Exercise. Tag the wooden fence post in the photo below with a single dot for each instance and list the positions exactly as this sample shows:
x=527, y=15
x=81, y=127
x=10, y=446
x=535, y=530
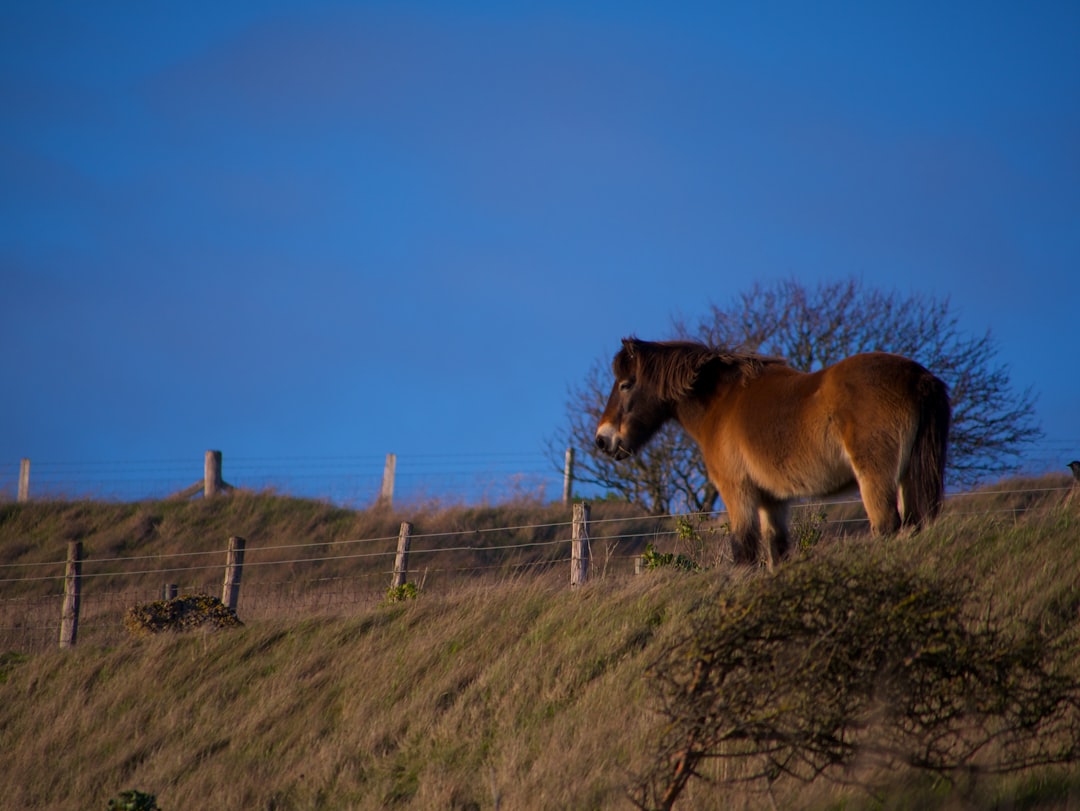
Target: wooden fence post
x=169, y=591
x=212, y=482
x=568, y=477
x=69, y=617
x=386, y=494
x=234, y=568
x=401, y=559
x=579, y=545
x=24, y=481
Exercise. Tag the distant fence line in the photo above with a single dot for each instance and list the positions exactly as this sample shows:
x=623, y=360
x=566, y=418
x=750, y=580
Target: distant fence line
x=352, y=480
x=379, y=489
x=581, y=557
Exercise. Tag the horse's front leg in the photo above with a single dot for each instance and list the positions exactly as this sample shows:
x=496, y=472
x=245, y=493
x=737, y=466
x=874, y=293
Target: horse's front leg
x=773, y=518
x=742, y=510
x=745, y=545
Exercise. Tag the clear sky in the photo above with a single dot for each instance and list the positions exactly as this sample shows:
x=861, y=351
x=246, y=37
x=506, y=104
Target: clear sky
x=337, y=230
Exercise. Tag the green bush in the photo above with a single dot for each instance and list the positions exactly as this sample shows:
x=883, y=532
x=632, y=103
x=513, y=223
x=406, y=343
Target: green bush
x=807, y=528
x=659, y=560
x=9, y=660
x=398, y=594
x=134, y=800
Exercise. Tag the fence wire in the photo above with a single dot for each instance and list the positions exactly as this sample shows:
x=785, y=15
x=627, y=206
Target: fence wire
x=31, y=622
x=714, y=516
x=349, y=480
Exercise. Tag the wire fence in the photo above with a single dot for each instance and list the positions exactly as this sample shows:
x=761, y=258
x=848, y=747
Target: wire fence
x=356, y=480
x=352, y=481
x=348, y=576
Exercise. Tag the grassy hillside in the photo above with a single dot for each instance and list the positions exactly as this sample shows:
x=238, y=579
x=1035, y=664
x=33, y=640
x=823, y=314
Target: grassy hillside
x=302, y=557
x=283, y=534
x=506, y=690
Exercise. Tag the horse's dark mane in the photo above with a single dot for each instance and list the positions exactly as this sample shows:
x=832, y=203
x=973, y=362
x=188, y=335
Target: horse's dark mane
x=674, y=367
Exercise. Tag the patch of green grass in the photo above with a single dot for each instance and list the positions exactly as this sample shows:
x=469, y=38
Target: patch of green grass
x=10, y=660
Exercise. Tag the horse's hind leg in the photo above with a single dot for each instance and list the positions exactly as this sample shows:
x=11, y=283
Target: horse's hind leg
x=878, y=487
x=879, y=497
x=910, y=510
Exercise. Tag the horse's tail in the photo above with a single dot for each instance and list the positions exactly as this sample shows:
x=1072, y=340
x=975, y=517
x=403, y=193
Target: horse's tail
x=924, y=479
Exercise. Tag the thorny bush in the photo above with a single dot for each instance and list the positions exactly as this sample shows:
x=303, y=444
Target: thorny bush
x=801, y=673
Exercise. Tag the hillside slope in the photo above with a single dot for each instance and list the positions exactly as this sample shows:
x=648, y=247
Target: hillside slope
x=516, y=693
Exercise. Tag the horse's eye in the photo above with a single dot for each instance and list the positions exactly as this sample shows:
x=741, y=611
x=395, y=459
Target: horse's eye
x=626, y=385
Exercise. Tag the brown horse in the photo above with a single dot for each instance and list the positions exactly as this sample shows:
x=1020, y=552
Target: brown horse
x=770, y=433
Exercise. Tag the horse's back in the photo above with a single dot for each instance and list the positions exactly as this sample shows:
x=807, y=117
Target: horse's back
x=878, y=369
x=893, y=417
x=810, y=434
x=875, y=396
x=779, y=433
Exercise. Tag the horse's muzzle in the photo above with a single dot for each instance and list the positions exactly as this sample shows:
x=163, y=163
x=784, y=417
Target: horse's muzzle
x=607, y=440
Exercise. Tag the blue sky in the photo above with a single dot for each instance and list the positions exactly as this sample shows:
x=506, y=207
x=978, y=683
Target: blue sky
x=337, y=230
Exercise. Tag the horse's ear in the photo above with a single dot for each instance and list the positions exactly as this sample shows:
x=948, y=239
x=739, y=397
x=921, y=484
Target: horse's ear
x=629, y=346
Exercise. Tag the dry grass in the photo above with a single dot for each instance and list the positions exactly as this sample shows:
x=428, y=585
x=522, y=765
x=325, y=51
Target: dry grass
x=443, y=702
x=506, y=690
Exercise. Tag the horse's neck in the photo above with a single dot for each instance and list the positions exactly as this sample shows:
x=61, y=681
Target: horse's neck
x=698, y=413
x=692, y=414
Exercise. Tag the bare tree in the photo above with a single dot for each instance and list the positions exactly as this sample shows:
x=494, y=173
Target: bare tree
x=813, y=328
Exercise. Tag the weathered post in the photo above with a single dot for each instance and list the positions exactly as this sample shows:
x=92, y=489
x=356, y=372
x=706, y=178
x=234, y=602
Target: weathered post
x=169, y=591
x=401, y=559
x=212, y=482
x=386, y=494
x=69, y=617
x=568, y=477
x=579, y=545
x=24, y=481
x=234, y=568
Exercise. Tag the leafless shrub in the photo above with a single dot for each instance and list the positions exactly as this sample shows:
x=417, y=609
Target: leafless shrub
x=829, y=665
